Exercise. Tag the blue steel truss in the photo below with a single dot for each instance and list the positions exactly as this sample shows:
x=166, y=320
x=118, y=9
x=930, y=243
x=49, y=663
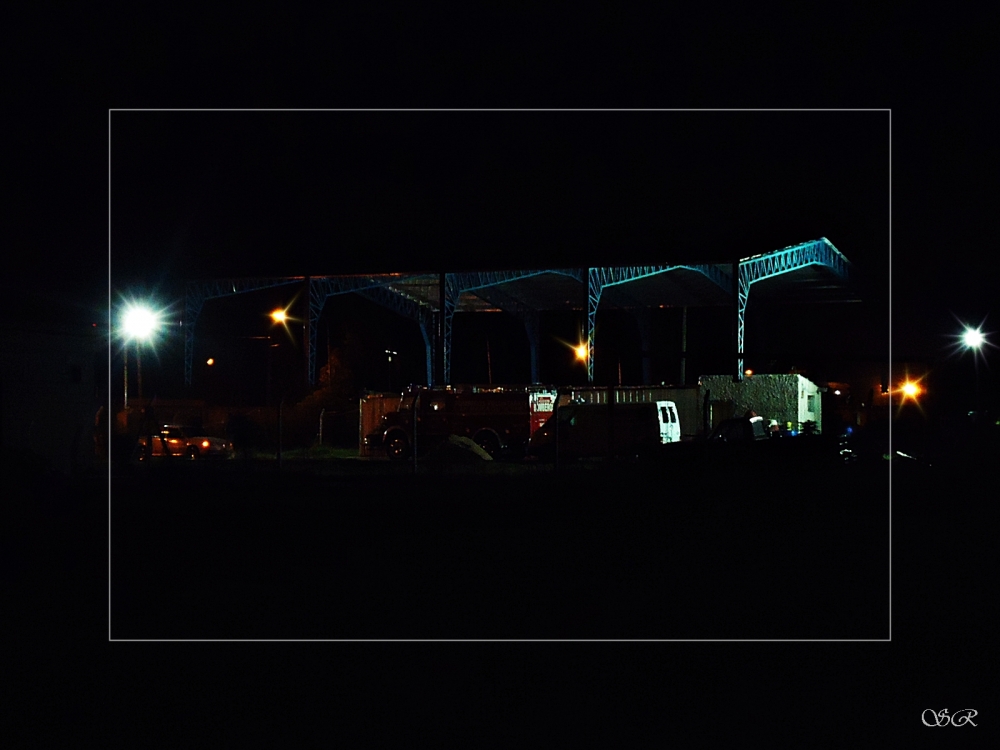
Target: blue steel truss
x=756, y=268
x=599, y=278
x=470, y=282
x=452, y=293
x=387, y=290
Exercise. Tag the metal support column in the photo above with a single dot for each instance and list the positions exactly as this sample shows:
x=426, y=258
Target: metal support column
x=450, y=293
x=443, y=322
x=317, y=299
x=428, y=329
x=684, y=345
x=194, y=300
x=742, y=296
x=737, y=329
x=309, y=330
x=594, y=289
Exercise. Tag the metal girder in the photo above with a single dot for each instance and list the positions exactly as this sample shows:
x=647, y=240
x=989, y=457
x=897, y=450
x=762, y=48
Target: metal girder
x=594, y=289
x=452, y=292
x=470, y=282
x=612, y=275
x=196, y=292
x=819, y=252
x=382, y=289
x=598, y=278
x=428, y=329
x=756, y=268
x=742, y=296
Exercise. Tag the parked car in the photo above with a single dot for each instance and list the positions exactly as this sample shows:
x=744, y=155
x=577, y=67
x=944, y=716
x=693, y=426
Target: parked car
x=176, y=440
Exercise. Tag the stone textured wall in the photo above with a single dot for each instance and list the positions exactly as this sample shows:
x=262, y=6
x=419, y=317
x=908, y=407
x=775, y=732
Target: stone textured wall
x=784, y=397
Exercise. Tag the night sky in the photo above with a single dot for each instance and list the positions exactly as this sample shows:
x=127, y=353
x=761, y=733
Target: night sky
x=198, y=194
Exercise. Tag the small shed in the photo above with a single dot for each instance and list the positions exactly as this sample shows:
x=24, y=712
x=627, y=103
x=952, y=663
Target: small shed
x=789, y=398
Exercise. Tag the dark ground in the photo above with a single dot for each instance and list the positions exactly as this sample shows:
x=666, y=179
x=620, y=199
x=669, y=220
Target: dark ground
x=601, y=553
x=222, y=553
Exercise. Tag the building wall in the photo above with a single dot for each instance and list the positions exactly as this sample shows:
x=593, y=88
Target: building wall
x=787, y=398
x=810, y=408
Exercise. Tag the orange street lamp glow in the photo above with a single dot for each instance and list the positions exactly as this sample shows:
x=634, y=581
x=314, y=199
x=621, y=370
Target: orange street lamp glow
x=910, y=389
x=210, y=362
x=581, y=351
x=279, y=316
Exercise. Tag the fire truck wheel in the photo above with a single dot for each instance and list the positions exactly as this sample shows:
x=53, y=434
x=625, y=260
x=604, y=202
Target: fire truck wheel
x=489, y=443
x=397, y=447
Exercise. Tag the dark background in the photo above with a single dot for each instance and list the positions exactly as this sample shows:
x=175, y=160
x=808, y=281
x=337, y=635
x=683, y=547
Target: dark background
x=933, y=75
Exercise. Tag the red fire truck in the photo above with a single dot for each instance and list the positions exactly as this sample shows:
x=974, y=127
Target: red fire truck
x=500, y=419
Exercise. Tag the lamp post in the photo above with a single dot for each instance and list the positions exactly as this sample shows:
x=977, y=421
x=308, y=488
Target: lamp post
x=389, y=353
x=138, y=325
x=270, y=344
x=581, y=353
x=972, y=338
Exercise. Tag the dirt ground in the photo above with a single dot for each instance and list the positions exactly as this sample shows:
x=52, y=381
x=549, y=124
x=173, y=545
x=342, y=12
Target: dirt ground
x=492, y=552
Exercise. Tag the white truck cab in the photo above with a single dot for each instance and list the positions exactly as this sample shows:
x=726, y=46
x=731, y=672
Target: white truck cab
x=670, y=424
x=584, y=430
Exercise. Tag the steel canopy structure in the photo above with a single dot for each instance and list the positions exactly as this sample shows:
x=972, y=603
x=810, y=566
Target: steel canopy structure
x=811, y=271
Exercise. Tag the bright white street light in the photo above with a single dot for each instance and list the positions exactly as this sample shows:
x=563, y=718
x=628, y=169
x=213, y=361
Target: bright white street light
x=972, y=338
x=139, y=322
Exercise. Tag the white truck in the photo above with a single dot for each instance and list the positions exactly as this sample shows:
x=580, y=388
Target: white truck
x=593, y=430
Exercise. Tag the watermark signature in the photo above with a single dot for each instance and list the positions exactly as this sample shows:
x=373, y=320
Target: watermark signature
x=942, y=718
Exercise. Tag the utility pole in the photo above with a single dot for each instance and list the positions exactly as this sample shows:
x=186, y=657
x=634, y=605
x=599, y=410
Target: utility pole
x=310, y=355
x=684, y=344
x=489, y=363
x=442, y=301
x=138, y=370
